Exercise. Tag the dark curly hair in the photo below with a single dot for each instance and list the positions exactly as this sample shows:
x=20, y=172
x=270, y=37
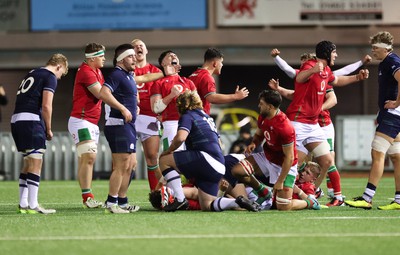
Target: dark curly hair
x=155, y=199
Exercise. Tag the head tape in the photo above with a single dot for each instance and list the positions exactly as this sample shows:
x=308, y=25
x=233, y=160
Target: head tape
x=324, y=49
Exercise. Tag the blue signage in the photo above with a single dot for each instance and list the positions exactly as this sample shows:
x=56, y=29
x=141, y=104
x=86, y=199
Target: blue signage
x=86, y=15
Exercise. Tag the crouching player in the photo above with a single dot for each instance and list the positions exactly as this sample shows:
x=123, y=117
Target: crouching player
x=278, y=161
x=203, y=160
x=163, y=195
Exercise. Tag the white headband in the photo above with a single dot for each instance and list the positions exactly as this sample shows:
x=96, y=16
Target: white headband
x=94, y=54
x=383, y=45
x=125, y=54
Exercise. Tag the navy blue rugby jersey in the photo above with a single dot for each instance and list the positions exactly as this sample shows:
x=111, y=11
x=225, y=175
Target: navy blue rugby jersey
x=30, y=92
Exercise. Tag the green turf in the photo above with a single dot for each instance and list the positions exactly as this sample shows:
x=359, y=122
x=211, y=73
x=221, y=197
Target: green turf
x=74, y=230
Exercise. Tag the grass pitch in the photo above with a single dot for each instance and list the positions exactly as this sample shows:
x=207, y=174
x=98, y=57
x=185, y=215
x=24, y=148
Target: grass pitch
x=74, y=230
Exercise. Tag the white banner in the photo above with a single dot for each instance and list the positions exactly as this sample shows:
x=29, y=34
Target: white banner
x=307, y=12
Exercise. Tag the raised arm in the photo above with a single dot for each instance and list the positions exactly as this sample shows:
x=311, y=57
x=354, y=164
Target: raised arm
x=286, y=93
x=341, y=81
x=348, y=69
x=282, y=64
x=352, y=67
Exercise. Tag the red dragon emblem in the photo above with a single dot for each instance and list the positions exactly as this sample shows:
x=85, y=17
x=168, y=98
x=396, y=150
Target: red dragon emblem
x=239, y=7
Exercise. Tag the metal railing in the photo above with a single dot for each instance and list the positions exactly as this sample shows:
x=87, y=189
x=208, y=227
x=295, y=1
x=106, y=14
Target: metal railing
x=60, y=161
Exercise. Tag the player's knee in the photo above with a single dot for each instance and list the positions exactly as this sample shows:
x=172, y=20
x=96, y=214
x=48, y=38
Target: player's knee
x=86, y=148
x=152, y=160
x=380, y=144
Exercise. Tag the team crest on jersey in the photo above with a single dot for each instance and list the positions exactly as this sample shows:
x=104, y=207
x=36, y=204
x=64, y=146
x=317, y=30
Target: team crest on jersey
x=180, y=87
x=267, y=135
x=323, y=84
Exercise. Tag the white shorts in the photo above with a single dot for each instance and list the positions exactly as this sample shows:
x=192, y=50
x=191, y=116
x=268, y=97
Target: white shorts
x=170, y=130
x=146, y=126
x=329, y=131
x=270, y=169
x=83, y=130
x=307, y=133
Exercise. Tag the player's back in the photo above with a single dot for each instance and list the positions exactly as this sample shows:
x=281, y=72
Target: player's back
x=203, y=135
x=29, y=94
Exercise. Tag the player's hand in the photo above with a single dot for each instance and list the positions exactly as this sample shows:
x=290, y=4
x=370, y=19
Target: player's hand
x=250, y=148
x=389, y=104
x=2, y=91
x=275, y=52
x=165, y=153
x=274, y=84
x=318, y=67
x=278, y=186
x=127, y=115
x=49, y=135
x=241, y=93
x=367, y=59
x=363, y=74
x=175, y=91
x=223, y=185
x=172, y=69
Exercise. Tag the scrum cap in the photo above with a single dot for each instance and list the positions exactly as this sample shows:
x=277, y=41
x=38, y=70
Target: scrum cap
x=324, y=49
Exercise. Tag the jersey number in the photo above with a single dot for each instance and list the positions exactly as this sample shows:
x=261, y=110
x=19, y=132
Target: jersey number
x=25, y=85
x=211, y=123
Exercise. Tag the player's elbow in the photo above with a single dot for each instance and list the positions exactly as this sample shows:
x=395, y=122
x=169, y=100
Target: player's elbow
x=159, y=106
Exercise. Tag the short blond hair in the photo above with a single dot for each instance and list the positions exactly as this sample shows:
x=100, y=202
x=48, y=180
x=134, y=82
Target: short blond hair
x=136, y=40
x=58, y=59
x=315, y=168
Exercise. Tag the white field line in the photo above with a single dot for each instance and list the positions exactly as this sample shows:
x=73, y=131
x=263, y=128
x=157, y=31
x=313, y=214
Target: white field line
x=199, y=236
x=353, y=218
x=74, y=204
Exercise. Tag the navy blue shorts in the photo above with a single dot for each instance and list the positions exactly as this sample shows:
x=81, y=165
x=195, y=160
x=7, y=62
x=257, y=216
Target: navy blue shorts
x=194, y=165
x=29, y=135
x=121, y=139
x=388, y=124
